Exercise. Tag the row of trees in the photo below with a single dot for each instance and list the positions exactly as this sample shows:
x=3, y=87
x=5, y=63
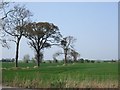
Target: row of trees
x=26, y=59
x=16, y=23
x=7, y=60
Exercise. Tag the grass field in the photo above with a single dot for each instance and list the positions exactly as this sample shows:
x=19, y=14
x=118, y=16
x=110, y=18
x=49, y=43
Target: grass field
x=52, y=75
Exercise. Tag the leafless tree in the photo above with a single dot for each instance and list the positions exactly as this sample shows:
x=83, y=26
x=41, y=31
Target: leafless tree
x=42, y=35
x=3, y=15
x=74, y=54
x=14, y=25
x=67, y=44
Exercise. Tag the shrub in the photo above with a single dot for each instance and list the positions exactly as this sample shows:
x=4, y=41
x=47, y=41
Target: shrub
x=92, y=61
x=55, y=61
x=87, y=61
x=26, y=58
x=81, y=60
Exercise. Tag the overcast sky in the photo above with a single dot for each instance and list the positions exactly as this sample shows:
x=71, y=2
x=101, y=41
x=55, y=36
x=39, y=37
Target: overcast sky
x=94, y=25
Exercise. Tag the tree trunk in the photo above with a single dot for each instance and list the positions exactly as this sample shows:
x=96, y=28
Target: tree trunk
x=17, y=52
x=65, y=52
x=75, y=60
x=38, y=58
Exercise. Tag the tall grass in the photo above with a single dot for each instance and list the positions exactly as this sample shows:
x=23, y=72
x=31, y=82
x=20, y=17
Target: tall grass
x=63, y=81
x=102, y=75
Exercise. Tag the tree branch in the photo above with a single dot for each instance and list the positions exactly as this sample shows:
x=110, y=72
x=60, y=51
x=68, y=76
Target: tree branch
x=12, y=41
x=6, y=14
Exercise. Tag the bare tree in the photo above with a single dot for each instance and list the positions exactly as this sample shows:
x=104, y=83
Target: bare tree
x=3, y=15
x=42, y=35
x=14, y=25
x=74, y=54
x=67, y=44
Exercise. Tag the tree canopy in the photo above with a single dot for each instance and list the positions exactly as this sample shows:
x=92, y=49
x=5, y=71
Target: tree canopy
x=41, y=35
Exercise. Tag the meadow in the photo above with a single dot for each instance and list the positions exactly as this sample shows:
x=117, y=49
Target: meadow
x=56, y=75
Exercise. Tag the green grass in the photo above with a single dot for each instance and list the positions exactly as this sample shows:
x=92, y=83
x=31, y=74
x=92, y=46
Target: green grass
x=57, y=75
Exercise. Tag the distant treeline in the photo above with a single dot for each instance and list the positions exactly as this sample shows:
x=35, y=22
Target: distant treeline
x=7, y=60
x=60, y=61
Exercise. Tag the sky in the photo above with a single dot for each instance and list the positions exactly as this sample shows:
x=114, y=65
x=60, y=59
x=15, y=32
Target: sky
x=93, y=24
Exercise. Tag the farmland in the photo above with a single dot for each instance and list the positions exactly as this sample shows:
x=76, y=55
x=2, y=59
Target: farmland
x=52, y=75
x=58, y=45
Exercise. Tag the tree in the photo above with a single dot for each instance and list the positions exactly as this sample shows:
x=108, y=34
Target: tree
x=67, y=44
x=92, y=61
x=26, y=58
x=4, y=14
x=87, y=61
x=42, y=35
x=14, y=25
x=81, y=60
x=74, y=54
